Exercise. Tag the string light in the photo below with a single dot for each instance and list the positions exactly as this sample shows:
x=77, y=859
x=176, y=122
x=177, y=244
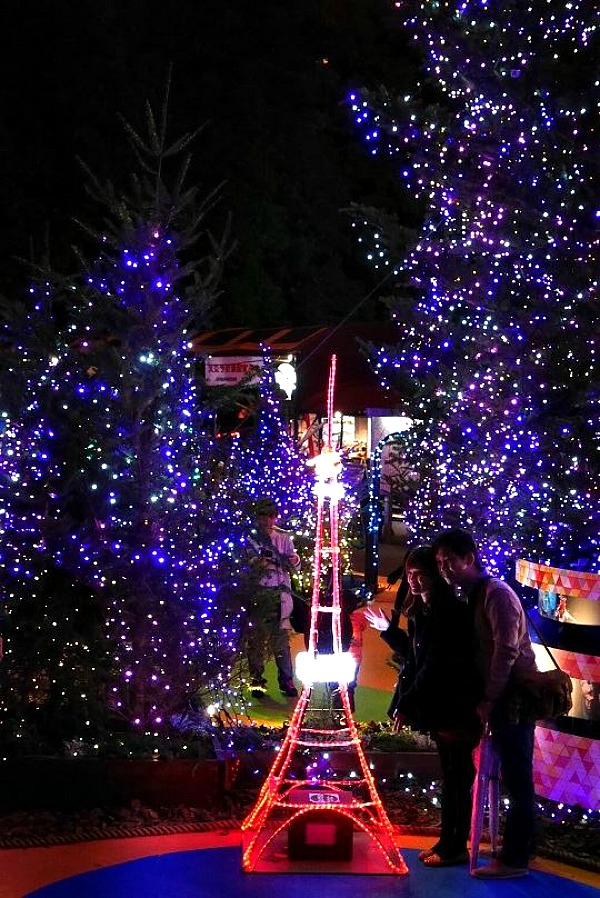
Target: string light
x=113, y=487
x=497, y=340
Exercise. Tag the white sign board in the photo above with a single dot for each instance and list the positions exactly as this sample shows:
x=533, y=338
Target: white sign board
x=228, y=370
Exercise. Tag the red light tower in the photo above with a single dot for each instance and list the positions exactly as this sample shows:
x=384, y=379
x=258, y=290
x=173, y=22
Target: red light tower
x=326, y=819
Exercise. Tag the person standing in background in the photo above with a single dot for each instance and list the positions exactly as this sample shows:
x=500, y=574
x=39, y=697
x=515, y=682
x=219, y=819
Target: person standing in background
x=273, y=559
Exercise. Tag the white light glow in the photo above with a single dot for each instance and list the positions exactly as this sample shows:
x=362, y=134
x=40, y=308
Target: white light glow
x=337, y=667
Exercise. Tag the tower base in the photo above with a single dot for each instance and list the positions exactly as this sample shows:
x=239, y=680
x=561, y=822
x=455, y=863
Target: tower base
x=320, y=836
x=365, y=858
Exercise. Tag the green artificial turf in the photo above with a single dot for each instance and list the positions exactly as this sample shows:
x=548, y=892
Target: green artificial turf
x=275, y=708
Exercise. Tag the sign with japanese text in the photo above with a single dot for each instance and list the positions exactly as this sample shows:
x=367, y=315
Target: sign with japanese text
x=229, y=370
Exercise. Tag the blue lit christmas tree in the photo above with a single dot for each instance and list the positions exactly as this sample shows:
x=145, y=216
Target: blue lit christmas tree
x=497, y=303
x=107, y=477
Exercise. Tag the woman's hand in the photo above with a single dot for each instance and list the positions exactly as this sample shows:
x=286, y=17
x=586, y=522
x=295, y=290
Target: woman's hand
x=377, y=619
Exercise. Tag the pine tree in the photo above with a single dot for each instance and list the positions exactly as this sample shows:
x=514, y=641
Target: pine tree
x=102, y=515
x=497, y=306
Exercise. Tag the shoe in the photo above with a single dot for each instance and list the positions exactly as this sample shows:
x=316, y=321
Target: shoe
x=258, y=687
x=499, y=870
x=289, y=690
x=437, y=860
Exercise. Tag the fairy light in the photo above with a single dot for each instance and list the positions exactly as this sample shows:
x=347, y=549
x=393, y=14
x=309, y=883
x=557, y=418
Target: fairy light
x=114, y=482
x=497, y=339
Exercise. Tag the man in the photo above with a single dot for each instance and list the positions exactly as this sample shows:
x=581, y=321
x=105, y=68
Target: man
x=274, y=558
x=504, y=657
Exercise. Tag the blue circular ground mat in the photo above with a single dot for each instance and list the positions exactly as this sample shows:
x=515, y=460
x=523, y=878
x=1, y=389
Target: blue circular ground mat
x=217, y=873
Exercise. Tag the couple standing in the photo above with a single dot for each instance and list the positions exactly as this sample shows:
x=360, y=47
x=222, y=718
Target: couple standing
x=463, y=660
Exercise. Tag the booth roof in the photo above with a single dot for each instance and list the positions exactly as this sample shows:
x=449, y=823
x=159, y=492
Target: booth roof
x=357, y=388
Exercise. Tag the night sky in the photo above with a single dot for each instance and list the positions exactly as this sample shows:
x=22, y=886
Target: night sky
x=268, y=79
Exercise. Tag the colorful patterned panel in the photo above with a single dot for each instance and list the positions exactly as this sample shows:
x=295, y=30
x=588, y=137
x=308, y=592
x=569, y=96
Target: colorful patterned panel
x=566, y=768
x=581, y=667
x=577, y=584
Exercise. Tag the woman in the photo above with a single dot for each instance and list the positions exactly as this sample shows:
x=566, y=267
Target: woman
x=437, y=692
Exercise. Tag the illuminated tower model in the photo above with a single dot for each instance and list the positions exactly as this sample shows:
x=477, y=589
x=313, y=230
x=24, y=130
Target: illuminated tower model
x=304, y=812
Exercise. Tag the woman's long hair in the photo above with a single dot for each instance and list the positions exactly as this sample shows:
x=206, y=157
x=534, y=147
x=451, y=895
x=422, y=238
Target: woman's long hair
x=422, y=558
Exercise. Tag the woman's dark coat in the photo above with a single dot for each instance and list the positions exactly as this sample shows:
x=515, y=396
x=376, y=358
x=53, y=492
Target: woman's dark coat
x=438, y=688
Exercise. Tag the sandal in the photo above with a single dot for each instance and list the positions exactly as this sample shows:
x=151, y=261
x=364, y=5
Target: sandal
x=427, y=852
x=436, y=860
